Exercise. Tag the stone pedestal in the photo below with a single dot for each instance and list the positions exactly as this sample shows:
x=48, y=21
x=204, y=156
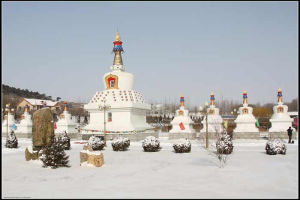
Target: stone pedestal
x=93, y=158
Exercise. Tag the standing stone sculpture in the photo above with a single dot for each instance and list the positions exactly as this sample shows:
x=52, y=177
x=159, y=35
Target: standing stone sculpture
x=42, y=129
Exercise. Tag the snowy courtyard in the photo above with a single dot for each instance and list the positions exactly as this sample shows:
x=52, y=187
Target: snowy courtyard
x=248, y=173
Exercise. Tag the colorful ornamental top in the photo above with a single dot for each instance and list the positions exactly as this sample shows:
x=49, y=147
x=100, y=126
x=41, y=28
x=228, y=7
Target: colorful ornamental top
x=182, y=101
x=245, y=97
x=212, y=99
x=279, y=95
x=117, y=50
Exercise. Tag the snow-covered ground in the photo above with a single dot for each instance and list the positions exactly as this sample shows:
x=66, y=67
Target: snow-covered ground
x=249, y=173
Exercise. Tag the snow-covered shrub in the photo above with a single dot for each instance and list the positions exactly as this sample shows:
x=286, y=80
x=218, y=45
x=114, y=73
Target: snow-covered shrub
x=54, y=156
x=96, y=143
x=182, y=146
x=224, y=144
x=11, y=141
x=120, y=144
x=151, y=144
x=275, y=146
x=66, y=141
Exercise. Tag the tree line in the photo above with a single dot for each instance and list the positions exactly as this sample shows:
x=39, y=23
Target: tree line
x=24, y=93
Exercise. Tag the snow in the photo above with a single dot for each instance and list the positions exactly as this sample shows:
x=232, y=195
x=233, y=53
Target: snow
x=248, y=173
x=91, y=152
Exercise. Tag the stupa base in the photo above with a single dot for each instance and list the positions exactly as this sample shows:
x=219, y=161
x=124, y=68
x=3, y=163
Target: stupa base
x=131, y=136
x=190, y=136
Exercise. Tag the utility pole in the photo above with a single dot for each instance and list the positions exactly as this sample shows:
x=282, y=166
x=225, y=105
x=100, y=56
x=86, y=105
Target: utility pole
x=104, y=108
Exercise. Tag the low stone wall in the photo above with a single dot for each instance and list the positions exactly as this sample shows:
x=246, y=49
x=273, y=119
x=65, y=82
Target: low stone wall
x=190, y=136
x=130, y=136
x=71, y=135
x=283, y=135
x=246, y=135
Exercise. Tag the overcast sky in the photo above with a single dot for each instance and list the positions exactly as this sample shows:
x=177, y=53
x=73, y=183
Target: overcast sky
x=172, y=48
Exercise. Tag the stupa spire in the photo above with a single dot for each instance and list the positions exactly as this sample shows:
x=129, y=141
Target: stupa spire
x=245, y=98
x=279, y=95
x=118, y=49
x=212, y=99
x=182, y=101
x=66, y=106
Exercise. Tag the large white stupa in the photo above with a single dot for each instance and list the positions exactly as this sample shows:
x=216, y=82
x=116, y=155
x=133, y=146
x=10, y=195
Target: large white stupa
x=65, y=123
x=245, y=121
x=214, y=119
x=280, y=119
x=182, y=122
x=25, y=126
x=124, y=109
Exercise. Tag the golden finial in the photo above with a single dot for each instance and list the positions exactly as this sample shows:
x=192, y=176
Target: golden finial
x=118, y=38
x=279, y=90
x=212, y=93
x=245, y=91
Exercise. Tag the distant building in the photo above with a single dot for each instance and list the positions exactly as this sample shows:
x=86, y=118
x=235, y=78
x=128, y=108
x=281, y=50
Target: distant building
x=35, y=104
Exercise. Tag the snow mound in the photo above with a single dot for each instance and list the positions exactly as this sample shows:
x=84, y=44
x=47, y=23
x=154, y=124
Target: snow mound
x=224, y=144
x=151, y=144
x=120, y=144
x=182, y=146
x=275, y=146
x=96, y=143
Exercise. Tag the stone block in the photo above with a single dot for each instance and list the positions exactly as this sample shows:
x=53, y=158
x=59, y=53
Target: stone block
x=43, y=128
x=31, y=155
x=83, y=157
x=96, y=160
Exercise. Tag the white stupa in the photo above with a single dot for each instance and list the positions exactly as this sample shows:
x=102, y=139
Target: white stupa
x=125, y=109
x=182, y=122
x=245, y=121
x=25, y=125
x=11, y=121
x=214, y=119
x=280, y=119
x=65, y=123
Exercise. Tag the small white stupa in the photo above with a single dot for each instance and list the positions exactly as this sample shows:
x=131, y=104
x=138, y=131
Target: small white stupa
x=182, y=122
x=11, y=120
x=280, y=119
x=65, y=123
x=118, y=109
x=25, y=125
x=245, y=121
x=214, y=119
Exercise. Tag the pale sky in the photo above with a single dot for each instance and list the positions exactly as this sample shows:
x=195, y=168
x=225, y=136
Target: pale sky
x=172, y=48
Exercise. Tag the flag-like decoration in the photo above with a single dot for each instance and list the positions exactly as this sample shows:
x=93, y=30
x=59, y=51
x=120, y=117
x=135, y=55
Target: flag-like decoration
x=160, y=124
x=181, y=126
x=257, y=123
x=14, y=126
x=55, y=127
